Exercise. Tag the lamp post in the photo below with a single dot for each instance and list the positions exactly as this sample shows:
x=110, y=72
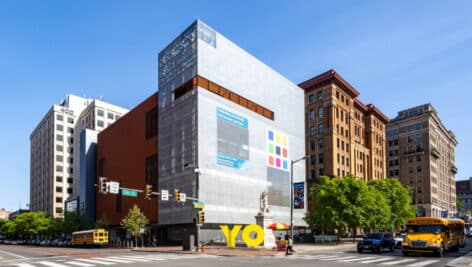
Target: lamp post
x=196, y=170
x=291, y=193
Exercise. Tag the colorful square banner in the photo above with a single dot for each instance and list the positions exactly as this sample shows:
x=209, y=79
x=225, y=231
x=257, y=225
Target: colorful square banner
x=277, y=150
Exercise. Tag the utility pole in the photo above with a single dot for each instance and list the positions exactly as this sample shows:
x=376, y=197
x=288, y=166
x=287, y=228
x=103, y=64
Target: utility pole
x=291, y=193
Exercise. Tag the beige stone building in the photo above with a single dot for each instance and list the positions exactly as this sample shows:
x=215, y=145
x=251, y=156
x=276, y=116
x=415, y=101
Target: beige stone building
x=343, y=136
x=421, y=155
x=4, y=214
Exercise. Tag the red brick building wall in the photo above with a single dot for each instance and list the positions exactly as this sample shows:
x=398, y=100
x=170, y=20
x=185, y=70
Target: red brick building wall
x=127, y=153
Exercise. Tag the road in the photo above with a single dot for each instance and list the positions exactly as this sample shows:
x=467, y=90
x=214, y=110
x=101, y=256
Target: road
x=23, y=256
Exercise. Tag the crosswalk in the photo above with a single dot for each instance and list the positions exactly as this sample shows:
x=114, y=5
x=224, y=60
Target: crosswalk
x=107, y=260
x=378, y=259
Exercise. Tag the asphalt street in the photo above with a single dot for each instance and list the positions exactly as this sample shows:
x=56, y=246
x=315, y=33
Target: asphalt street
x=66, y=257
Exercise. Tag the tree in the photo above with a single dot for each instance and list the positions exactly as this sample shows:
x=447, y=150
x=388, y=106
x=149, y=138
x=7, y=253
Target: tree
x=134, y=221
x=28, y=224
x=459, y=204
x=398, y=198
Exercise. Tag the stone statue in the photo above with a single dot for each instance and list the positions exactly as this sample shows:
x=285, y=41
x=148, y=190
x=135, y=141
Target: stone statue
x=264, y=203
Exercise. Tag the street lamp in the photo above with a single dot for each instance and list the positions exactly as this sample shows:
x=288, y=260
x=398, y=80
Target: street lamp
x=196, y=170
x=291, y=193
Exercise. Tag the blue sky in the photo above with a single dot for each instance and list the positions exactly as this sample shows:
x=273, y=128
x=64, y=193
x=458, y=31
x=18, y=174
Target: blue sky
x=398, y=54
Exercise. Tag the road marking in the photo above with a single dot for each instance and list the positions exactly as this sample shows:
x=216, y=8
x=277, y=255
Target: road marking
x=397, y=262
x=376, y=260
x=358, y=259
x=24, y=265
x=13, y=254
x=338, y=258
x=51, y=264
x=323, y=257
x=113, y=260
x=155, y=258
x=422, y=263
x=82, y=264
x=128, y=258
x=96, y=261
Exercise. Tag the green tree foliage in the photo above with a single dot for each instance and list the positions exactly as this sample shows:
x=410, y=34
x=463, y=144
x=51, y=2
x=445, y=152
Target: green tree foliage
x=398, y=198
x=460, y=204
x=134, y=221
x=348, y=203
x=28, y=224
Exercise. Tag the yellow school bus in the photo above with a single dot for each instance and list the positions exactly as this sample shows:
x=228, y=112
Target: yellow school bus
x=433, y=235
x=93, y=237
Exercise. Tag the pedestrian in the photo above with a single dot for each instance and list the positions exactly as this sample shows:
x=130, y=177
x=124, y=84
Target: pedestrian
x=289, y=250
x=154, y=240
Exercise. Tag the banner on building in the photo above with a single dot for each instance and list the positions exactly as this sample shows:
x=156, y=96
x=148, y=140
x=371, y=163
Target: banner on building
x=299, y=195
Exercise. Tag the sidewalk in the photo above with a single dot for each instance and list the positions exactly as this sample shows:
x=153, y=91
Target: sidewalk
x=244, y=251
x=465, y=260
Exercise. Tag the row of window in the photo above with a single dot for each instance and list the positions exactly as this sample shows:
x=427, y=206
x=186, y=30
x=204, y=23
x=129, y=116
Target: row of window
x=110, y=115
x=319, y=96
x=313, y=173
x=342, y=145
x=60, y=127
x=320, y=114
x=313, y=144
x=60, y=168
x=342, y=98
x=60, y=148
x=59, y=189
x=59, y=179
x=341, y=160
x=320, y=129
x=60, y=117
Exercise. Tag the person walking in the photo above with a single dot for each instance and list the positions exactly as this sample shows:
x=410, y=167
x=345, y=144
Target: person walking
x=289, y=246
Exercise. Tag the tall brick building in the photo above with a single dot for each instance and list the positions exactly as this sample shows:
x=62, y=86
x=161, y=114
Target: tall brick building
x=343, y=136
x=421, y=155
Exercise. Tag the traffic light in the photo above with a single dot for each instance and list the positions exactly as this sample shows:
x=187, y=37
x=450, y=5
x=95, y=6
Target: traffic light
x=177, y=195
x=201, y=216
x=102, y=185
x=148, y=191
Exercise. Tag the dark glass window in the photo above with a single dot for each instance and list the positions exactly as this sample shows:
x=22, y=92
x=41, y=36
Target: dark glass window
x=151, y=123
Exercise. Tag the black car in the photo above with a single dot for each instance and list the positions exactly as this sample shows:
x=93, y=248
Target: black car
x=376, y=242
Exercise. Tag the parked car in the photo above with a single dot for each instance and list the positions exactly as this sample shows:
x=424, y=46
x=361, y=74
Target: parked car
x=399, y=239
x=376, y=242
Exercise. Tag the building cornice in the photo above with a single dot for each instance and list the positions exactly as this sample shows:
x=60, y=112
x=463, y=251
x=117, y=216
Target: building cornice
x=326, y=78
x=377, y=113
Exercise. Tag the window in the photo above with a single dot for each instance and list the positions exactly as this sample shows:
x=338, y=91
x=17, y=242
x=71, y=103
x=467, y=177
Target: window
x=58, y=199
x=70, y=180
x=100, y=113
x=337, y=94
x=59, y=137
x=58, y=210
x=410, y=138
x=312, y=159
x=71, y=150
x=59, y=179
x=337, y=142
x=418, y=126
x=70, y=120
x=321, y=171
x=71, y=170
x=311, y=99
x=338, y=158
x=59, y=127
x=59, y=148
x=320, y=113
x=71, y=140
x=320, y=143
x=319, y=95
x=58, y=189
x=70, y=130
x=70, y=190
x=151, y=123
x=312, y=115
x=59, y=117
x=419, y=168
x=347, y=161
x=320, y=128
x=418, y=138
x=347, y=147
x=397, y=172
x=59, y=158
x=418, y=158
x=110, y=116
x=342, y=145
x=312, y=144
x=312, y=174
x=117, y=117
x=342, y=115
x=59, y=168
x=151, y=170
x=312, y=131
x=100, y=123
x=320, y=158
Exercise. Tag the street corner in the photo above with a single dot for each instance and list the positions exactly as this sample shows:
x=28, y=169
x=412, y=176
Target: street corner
x=465, y=260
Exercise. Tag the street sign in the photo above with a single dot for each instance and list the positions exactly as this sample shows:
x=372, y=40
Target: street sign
x=113, y=187
x=165, y=195
x=141, y=230
x=129, y=193
x=183, y=197
x=198, y=204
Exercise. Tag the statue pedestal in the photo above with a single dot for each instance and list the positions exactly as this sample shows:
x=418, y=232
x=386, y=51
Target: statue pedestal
x=264, y=220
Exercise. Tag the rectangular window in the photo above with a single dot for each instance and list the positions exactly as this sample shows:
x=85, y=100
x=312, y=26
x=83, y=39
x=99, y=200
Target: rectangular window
x=110, y=116
x=70, y=180
x=71, y=170
x=58, y=189
x=320, y=113
x=311, y=99
x=100, y=113
x=312, y=144
x=58, y=199
x=418, y=138
x=319, y=95
x=59, y=137
x=59, y=127
x=70, y=130
x=320, y=128
x=59, y=117
x=337, y=142
x=100, y=123
x=59, y=210
x=70, y=120
x=312, y=174
x=321, y=172
x=101, y=167
x=418, y=126
x=312, y=131
x=59, y=168
x=320, y=144
x=59, y=148
x=59, y=179
x=151, y=123
x=312, y=115
x=59, y=158
x=320, y=158
x=347, y=147
x=70, y=190
x=312, y=159
x=419, y=168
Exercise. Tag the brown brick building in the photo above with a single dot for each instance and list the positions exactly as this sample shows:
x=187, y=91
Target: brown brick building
x=127, y=153
x=421, y=155
x=343, y=136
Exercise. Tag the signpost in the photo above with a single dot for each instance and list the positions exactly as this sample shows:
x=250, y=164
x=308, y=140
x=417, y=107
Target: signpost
x=183, y=197
x=164, y=195
x=113, y=187
x=129, y=193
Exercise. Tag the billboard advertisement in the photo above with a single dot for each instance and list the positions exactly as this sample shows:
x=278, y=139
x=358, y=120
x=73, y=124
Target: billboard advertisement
x=299, y=195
